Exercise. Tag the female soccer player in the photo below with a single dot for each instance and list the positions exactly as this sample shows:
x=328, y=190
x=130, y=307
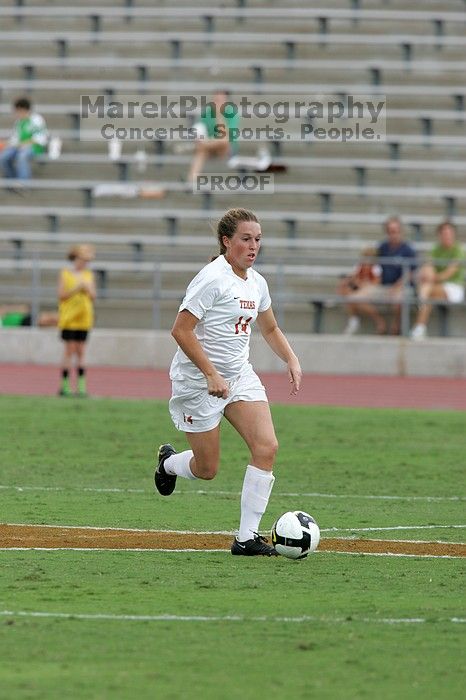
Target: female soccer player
x=76, y=294
x=212, y=376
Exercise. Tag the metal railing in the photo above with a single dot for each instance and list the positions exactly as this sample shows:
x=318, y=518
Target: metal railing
x=154, y=289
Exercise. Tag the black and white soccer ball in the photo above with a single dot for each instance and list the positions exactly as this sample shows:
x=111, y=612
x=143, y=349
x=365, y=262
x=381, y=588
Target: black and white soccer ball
x=295, y=534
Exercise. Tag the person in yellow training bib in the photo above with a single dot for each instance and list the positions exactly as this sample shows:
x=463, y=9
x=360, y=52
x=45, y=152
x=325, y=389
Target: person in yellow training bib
x=76, y=295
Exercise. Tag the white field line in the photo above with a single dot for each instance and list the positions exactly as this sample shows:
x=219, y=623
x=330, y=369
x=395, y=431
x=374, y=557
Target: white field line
x=232, y=532
x=201, y=492
x=316, y=494
x=378, y=539
x=225, y=618
x=124, y=529
x=105, y=549
x=210, y=551
x=393, y=554
x=393, y=527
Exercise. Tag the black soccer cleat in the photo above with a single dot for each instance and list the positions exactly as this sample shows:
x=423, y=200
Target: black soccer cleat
x=253, y=548
x=164, y=483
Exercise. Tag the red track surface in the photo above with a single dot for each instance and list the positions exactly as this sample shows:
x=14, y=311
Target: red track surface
x=329, y=390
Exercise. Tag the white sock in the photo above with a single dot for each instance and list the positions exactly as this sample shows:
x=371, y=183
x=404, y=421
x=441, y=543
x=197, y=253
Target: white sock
x=257, y=486
x=178, y=465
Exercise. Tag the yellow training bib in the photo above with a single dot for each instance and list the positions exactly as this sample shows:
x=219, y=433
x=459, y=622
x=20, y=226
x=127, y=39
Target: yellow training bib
x=77, y=312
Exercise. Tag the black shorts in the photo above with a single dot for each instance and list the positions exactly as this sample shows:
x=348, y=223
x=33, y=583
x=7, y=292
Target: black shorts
x=79, y=336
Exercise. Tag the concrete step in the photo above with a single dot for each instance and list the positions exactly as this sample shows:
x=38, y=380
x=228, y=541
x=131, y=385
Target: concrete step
x=107, y=172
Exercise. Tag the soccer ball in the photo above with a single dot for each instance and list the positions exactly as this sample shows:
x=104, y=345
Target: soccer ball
x=295, y=534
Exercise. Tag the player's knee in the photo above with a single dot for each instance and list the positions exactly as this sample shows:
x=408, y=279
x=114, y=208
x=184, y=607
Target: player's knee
x=206, y=469
x=266, y=451
x=273, y=447
x=207, y=474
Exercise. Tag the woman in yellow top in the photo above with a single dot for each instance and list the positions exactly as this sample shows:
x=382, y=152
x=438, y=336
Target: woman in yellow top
x=76, y=295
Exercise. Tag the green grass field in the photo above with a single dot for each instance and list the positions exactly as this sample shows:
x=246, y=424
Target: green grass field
x=207, y=625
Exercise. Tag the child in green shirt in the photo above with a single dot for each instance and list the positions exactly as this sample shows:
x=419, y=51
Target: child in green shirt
x=29, y=139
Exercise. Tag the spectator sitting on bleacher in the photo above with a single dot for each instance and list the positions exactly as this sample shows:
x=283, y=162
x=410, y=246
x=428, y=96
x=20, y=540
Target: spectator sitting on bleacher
x=220, y=123
x=29, y=139
x=15, y=315
x=365, y=275
x=443, y=278
x=391, y=287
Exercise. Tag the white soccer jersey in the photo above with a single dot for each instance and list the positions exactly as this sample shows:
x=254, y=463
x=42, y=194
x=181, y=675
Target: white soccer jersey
x=226, y=306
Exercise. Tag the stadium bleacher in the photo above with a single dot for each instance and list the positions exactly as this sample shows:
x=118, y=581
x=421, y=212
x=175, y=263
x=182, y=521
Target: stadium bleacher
x=331, y=201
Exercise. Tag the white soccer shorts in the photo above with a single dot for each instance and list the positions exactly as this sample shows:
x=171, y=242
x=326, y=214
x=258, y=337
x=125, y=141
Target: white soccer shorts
x=193, y=411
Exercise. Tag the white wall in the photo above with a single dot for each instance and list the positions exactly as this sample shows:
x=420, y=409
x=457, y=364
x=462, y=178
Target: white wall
x=318, y=353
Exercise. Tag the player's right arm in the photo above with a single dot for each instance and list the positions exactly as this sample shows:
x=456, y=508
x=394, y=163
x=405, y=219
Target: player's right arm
x=183, y=333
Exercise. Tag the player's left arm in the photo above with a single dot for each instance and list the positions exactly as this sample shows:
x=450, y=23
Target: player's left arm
x=277, y=341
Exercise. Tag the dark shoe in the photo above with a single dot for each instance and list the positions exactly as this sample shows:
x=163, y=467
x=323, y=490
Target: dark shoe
x=164, y=483
x=253, y=548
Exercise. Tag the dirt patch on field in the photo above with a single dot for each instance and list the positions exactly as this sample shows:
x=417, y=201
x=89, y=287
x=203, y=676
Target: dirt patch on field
x=40, y=537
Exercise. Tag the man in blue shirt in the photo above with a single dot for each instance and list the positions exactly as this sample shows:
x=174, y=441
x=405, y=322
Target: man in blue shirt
x=392, y=281
x=394, y=247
